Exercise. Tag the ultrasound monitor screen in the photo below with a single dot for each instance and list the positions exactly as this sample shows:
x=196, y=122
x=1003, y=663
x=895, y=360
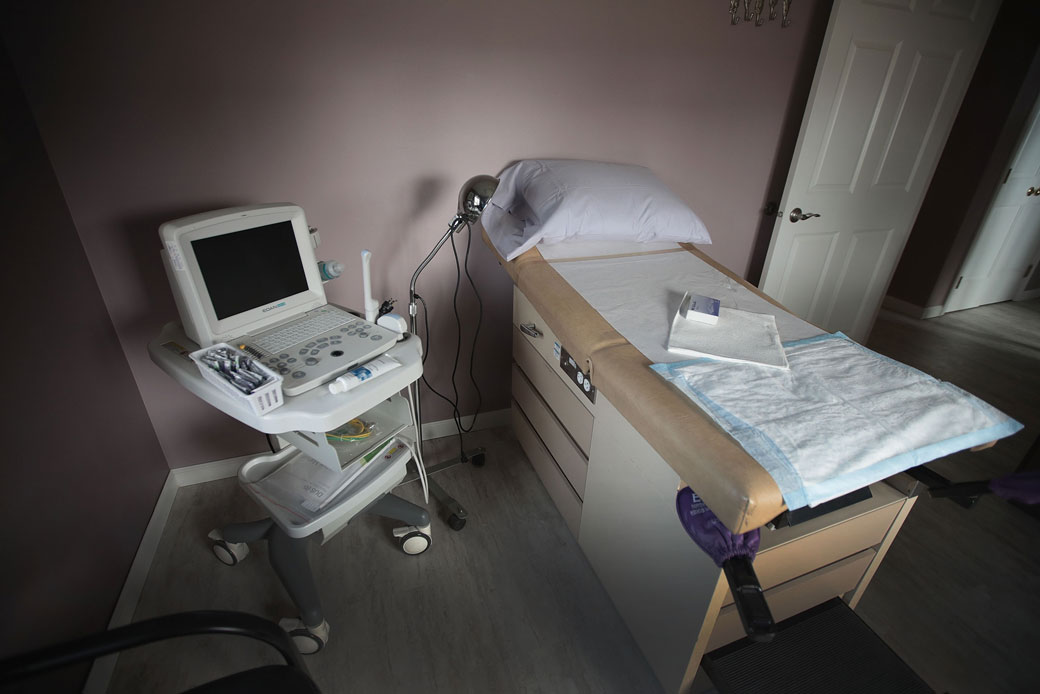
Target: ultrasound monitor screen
x=247, y=269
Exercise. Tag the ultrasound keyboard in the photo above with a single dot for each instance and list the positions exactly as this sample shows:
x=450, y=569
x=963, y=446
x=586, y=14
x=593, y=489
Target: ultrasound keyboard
x=317, y=347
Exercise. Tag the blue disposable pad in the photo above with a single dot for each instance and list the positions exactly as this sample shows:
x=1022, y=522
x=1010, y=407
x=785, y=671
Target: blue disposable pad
x=841, y=418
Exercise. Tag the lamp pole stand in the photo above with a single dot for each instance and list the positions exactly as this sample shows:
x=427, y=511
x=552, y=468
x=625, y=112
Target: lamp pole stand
x=472, y=199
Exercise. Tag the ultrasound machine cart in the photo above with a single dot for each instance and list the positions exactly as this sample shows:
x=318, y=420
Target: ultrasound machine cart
x=303, y=420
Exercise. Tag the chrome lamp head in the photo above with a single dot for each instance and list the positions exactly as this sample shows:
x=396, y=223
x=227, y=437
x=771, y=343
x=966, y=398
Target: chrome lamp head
x=474, y=196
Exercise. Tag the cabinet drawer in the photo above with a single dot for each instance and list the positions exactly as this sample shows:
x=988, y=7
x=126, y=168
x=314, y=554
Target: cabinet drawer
x=564, y=404
x=568, y=456
x=547, y=346
x=820, y=547
x=788, y=599
x=567, y=502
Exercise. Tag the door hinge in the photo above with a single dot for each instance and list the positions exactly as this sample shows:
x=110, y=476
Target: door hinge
x=1007, y=176
x=959, y=280
x=1029, y=271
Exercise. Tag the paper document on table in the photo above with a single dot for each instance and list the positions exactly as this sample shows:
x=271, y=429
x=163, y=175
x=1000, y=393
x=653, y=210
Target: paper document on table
x=309, y=484
x=738, y=336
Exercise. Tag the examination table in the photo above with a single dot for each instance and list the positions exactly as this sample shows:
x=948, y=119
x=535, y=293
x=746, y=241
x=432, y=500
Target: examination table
x=612, y=442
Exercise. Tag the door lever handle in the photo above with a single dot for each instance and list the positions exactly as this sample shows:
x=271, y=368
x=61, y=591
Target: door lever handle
x=798, y=216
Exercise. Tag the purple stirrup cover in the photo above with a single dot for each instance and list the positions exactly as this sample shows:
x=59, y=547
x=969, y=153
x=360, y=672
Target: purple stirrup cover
x=1023, y=486
x=708, y=531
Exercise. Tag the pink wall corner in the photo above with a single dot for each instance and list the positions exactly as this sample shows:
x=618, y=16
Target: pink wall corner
x=371, y=117
x=82, y=468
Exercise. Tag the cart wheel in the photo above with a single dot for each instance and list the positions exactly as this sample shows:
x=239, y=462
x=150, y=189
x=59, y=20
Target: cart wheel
x=307, y=641
x=456, y=523
x=415, y=542
x=477, y=460
x=229, y=553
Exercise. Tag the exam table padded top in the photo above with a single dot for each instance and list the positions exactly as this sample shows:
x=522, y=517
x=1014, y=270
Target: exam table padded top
x=736, y=488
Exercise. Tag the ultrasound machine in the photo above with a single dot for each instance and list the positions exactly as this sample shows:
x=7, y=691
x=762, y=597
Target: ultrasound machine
x=247, y=276
x=247, y=279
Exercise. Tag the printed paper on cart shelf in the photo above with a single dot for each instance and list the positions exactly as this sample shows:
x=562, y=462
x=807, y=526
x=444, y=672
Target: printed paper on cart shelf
x=305, y=486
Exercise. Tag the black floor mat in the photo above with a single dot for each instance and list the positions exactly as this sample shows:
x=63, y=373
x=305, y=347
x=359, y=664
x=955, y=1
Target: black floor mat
x=826, y=649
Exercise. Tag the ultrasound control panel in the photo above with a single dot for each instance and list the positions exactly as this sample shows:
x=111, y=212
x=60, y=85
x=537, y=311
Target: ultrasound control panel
x=320, y=359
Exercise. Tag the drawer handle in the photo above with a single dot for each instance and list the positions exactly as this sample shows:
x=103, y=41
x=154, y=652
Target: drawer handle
x=530, y=329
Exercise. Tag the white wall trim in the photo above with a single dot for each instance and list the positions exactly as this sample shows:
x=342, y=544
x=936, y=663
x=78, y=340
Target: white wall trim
x=933, y=312
x=446, y=427
x=101, y=672
x=913, y=310
x=208, y=472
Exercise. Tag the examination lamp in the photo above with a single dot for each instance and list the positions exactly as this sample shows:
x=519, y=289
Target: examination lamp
x=473, y=198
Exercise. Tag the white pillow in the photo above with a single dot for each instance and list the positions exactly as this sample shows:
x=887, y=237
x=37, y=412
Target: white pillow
x=552, y=200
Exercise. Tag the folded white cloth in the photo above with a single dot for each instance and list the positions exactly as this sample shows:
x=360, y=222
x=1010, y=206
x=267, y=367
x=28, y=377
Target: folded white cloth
x=840, y=418
x=738, y=336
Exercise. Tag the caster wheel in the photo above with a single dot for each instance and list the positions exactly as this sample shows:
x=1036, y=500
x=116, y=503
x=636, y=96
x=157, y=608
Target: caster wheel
x=229, y=553
x=456, y=523
x=477, y=460
x=415, y=542
x=224, y=555
x=308, y=641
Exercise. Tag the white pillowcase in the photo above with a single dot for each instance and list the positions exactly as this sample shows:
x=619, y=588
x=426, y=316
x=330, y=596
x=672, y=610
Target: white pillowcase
x=553, y=200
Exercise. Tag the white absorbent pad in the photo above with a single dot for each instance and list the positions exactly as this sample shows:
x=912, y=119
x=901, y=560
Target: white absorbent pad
x=639, y=296
x=840, y=418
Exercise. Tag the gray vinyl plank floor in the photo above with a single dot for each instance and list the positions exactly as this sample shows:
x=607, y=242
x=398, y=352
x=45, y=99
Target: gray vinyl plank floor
x=508, y=604
x=958, y=595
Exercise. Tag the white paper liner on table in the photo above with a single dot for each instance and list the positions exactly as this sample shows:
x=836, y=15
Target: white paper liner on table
x=597, y=249
x=639, y=296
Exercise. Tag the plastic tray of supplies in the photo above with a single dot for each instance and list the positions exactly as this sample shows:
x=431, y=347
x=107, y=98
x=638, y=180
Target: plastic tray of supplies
x=262, y=398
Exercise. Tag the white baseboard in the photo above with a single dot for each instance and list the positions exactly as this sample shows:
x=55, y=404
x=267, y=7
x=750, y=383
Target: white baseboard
x=913, y=310
x=446, y=427
x=101, y=672
x=1028, y=295
x=102, y=669
x=207, y=472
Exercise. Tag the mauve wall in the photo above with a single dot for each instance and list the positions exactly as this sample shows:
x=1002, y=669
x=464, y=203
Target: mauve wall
x=82, y=468
x=370, y=116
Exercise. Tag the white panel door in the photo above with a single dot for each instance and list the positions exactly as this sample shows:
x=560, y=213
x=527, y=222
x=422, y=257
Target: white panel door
x=1004, y=252
x=888, y=85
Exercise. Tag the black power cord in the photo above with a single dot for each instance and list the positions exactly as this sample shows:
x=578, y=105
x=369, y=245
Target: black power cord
x=385, y=308
x=454, y=402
